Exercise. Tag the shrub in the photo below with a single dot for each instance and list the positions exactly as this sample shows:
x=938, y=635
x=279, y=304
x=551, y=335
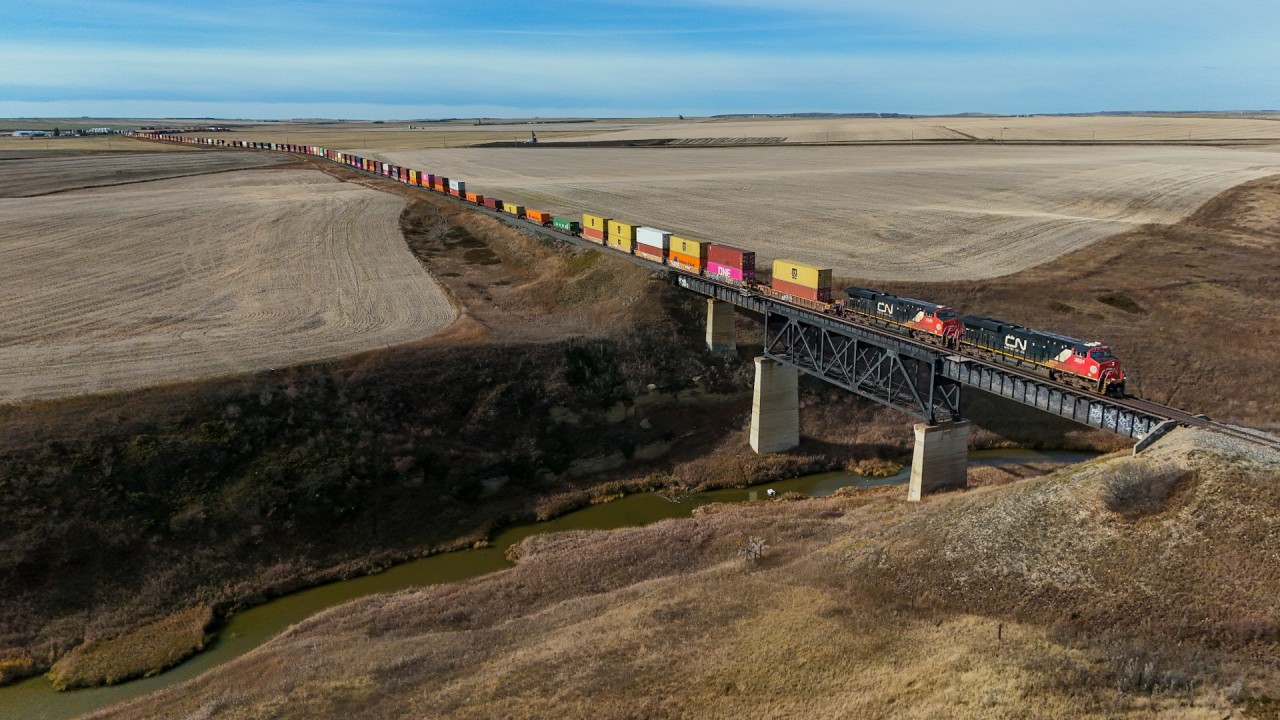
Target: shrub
x=1136, y=490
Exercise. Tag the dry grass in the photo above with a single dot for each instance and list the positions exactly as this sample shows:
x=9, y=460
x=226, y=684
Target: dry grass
x=47, y=173
x=905, y=213
x=1025, y=600
x=147, y=650
x=219, y=272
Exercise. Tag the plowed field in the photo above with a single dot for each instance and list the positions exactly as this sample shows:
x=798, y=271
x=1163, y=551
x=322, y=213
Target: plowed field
x=215, y=274
x=1132, y=128
x=880, y=212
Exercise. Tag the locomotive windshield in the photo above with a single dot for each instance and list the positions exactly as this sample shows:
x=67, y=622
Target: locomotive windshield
x=946, y=314
x=1101, y=355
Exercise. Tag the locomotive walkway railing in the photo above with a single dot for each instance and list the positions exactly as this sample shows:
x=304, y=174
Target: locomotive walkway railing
x=904, y=375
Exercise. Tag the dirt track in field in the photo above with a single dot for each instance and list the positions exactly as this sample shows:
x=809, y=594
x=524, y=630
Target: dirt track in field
x=889, y=212
x=154, y=282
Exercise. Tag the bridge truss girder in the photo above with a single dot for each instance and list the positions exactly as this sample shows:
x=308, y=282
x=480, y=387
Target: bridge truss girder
x=904, y=378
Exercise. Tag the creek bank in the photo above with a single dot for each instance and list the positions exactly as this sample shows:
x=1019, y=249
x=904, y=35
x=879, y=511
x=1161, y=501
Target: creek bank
x=250, y=628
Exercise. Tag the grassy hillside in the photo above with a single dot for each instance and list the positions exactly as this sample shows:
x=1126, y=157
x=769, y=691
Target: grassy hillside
x=1185, y=306
x=1069, y=595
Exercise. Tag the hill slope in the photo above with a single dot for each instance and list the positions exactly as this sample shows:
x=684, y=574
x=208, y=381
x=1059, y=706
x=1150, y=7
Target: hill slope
x=1098, y=591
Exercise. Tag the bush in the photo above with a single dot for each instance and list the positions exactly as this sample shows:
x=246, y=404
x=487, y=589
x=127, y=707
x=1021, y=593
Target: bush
x=1137, y=490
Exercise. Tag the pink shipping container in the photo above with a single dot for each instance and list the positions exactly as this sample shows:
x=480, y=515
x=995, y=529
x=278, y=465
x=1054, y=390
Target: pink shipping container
x=726, y=272
x=731, y=263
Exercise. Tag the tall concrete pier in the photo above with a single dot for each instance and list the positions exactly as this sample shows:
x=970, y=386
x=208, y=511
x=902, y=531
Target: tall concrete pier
x=722, y=335
x=775, y=410
x=941, y=458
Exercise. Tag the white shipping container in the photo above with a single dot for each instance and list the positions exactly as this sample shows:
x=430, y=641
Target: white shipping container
x=459, y=185
x=653, y=237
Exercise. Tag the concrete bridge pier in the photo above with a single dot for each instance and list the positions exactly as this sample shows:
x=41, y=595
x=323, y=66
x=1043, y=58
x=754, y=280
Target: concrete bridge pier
x=722, y=335
x=775, y=409
x=940, y=459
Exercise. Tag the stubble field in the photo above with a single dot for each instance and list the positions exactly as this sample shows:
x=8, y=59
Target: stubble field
x=884, y=212
x=196, y=275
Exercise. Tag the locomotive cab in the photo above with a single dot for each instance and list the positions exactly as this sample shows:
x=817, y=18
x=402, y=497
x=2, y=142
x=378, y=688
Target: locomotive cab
x=1106, y=369
x=947, y=323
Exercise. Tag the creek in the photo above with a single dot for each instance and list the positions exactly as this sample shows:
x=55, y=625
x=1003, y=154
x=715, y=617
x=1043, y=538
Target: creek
x=35, y=698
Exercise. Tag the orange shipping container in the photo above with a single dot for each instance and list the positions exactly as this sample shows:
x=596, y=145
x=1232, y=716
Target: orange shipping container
x=538, y=216
x=691, y=263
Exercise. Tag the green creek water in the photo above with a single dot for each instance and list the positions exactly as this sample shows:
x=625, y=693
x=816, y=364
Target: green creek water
x=35, y=698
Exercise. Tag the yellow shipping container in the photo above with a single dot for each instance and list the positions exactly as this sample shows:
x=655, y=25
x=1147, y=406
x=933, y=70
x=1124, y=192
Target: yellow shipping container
x=810, y=276
x=622, y=229
x=513, y=208
x=595, y=222
x=624, y=244
x=692, y=248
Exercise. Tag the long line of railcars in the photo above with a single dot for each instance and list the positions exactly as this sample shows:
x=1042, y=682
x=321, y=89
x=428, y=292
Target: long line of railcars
x=1087, y=365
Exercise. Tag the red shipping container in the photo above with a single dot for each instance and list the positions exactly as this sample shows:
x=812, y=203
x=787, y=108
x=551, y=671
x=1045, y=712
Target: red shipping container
x=593, y=234
x=656, y=254
x=800, y=291
x=493, y=203
x=744, y=260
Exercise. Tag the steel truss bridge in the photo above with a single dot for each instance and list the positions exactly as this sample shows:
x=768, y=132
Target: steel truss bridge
x=920, y=379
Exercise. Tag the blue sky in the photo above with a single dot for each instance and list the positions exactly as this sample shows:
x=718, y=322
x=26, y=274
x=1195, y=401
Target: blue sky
x=385, y=59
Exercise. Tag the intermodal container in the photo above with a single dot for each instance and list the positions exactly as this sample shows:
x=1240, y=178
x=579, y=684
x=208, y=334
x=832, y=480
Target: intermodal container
x=595, y=223
x=413, y=177
x=441, y=184
x=567, y=225
x=623, y=229
x=513, y=209
x=404, y=175
x=802, y=291
x=731, y=263
x=626, y=245
x=802, y=274
x=538, y=216
x=595, y=235
x=471, y=197
x=457, y=188
x=687, y=254
x=653, y=237
x=429, y=180
x=493, y=203
x=652, y=252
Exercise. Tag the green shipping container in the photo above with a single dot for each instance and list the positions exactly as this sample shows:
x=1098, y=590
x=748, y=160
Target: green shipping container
x=567, y=224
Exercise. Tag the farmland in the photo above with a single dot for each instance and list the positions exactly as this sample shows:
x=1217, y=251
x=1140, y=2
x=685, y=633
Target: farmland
x=195, y=264
x=917, y=212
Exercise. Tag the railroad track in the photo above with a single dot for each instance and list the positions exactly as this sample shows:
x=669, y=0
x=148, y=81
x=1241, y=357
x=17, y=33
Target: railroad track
x=1182, y=417
x=1179, y=416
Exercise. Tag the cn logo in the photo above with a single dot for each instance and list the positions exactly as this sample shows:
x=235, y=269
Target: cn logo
x=1013, y=342
x=794, y=273
x=884, y=308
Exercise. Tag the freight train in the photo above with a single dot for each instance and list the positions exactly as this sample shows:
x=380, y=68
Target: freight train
x=1087, y=365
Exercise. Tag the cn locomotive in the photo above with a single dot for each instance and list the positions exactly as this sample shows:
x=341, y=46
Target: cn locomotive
x=1087, y=365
